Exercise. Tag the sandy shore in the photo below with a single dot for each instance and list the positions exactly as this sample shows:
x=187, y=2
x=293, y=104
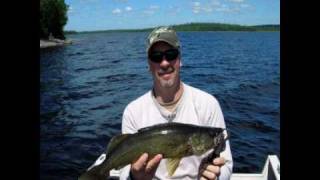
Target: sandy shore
x=53, y=43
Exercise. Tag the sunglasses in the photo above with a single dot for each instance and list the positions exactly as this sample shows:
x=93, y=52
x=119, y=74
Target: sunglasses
x=170, y=55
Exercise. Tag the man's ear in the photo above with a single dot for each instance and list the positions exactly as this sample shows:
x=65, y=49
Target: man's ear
x=180, y=60
x=148, y=66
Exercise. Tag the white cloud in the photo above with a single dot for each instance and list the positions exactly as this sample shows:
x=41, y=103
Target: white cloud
x=151, y=10
x=154, y=7
x=227, y=9
x=237, y=1
x=196, y=7
x=244, y=5
x=121, y=1
x=119, y=11
x=211, y=6
x=215, y=3
x=116, y=11
x=196, y=3
x=196, y=11
x=174, y=10
x=148, y=12
x=207, y=9
x=70, y=10
x=128, y=8
x=88, y=1
x=223, y=8
x=247, y=7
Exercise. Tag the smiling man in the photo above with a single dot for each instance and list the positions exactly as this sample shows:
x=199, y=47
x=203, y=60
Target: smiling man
x=171, y=100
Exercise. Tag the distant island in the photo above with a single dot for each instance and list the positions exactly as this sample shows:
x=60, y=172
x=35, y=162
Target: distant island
x=198, y=27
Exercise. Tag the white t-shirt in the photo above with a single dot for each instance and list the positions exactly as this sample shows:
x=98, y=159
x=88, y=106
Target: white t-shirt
x=194, y=107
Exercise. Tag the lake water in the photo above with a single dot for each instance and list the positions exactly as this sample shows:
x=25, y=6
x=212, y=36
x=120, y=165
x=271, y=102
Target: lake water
x=84, y=88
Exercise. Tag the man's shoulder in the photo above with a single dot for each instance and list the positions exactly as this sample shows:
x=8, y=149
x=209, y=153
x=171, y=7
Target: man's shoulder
x=141, y=100
x=200, y=95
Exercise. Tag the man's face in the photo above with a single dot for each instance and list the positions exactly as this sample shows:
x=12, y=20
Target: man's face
x=165, y=73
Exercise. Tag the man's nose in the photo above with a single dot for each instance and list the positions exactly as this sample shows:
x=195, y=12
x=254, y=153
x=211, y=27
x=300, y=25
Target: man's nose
x=164, y=62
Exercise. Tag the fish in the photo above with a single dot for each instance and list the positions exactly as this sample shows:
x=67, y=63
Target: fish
x=173, y=140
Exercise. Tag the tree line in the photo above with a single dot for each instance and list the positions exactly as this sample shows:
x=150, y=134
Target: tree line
x=199, y=27
x=224, y=27
x=53, y=17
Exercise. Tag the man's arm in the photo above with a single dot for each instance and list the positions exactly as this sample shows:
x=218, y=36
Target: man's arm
x=221, y=167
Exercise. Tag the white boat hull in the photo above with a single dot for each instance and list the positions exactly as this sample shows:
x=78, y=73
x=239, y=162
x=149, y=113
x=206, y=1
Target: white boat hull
x=271, y=171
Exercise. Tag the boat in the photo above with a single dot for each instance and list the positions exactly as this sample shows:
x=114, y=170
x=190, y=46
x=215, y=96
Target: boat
x=271, y=171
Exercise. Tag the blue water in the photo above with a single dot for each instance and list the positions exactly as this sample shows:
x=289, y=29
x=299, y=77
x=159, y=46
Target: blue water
x=84, y=88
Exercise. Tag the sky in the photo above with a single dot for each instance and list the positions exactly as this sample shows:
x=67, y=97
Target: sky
x=90, y=15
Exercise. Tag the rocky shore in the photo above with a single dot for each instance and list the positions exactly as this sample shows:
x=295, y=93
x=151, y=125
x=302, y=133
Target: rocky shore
x=53, y=43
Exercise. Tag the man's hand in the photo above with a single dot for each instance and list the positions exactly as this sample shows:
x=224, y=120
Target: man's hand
x=212, y=171
x=144, y=169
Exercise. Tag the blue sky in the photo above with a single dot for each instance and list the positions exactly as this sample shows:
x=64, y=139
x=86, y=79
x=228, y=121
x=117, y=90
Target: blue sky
x=88, y=15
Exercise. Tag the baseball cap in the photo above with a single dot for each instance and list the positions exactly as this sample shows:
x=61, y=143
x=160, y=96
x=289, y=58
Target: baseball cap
x=163, y=33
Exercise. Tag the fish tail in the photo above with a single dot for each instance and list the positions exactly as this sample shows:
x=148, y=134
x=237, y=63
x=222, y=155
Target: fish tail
x=94, y=175
x=96, y=171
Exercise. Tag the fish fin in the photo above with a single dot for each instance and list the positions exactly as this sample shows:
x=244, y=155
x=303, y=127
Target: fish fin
x=172, y=165
x=94, y=173
x=115, y=141
x=151, y=127
x=161, y=125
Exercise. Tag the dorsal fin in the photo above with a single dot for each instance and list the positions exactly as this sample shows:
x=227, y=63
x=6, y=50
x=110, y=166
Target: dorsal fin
x=115, y=141
x=162, y=125
x=154, y=126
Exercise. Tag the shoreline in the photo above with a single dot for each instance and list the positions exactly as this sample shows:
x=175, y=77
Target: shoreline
x=53, y=43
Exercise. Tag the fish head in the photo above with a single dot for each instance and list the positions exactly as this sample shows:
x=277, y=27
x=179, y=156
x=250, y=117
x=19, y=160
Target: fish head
x=219, y=140
x=206, y=139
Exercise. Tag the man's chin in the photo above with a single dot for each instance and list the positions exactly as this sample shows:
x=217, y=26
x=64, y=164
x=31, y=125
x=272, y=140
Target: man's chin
x=167, y=83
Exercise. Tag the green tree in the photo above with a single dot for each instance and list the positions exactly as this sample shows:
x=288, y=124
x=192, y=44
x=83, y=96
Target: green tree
x=53, y=17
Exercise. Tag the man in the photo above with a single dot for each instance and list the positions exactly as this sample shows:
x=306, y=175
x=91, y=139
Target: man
x=171, y=100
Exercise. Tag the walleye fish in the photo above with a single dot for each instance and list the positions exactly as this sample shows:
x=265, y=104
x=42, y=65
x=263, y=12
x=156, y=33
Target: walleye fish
x=173, y=140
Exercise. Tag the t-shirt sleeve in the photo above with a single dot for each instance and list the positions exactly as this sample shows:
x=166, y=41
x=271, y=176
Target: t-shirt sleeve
x=128, y=124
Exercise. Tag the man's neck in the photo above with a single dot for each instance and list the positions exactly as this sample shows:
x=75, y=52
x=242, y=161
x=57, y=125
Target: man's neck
x=168, y=95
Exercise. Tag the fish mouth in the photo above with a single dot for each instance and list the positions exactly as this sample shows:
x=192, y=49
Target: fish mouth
x=225, y=135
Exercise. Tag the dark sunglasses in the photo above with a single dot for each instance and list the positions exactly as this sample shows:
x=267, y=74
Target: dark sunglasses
x=170, y=55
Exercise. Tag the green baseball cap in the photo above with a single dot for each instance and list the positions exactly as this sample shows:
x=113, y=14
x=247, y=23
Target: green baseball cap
x=164, y=33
